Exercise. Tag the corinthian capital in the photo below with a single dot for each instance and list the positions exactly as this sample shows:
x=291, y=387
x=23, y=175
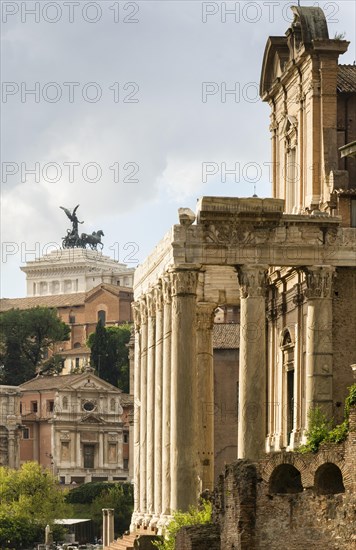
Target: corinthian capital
x=136, y=309
x=151, y=303
x=158, y=295
x=143, y=310
x=319, y=281
x=167, y=288
x=252, y=280
x=184, y=282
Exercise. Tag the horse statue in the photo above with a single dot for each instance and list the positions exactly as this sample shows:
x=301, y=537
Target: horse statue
x=93, y=240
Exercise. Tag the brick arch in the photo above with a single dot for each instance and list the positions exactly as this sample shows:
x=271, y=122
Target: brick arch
x=333, y=457
x=293, y=459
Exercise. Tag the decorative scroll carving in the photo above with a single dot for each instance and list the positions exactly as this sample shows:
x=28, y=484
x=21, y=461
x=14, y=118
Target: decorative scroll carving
x=252, y=281
x=205, y=316
x=232, y=232
x=184, y=282
x=319, y=282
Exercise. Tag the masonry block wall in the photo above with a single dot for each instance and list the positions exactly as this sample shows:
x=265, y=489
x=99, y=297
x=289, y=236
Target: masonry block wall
x=286, y=500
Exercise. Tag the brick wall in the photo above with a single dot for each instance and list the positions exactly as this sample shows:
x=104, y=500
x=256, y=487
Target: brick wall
x=198, y=537
x=343, y=333
x=250, y=514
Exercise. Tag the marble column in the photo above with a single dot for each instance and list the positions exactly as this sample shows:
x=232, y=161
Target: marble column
x=158, y=404
x=166, y=397
x=319, y=347
x=137, y=407
x=184, y=456
x=108, y=527
x=252, y=370
x=143, y=407
x=150, y=419
x=205, y=391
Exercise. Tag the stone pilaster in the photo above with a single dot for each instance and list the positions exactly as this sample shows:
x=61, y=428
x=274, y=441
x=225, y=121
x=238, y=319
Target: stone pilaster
x=184, y=459
x=252, y=370
x=150, y=417
x=143, y=407
x=319, y=338
x=158, y=296
x=166, y=396
x=205, y=391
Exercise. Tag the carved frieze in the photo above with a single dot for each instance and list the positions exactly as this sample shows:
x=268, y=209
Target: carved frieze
x=232, y=232
x=319, y=282
x=252, y=281
x=184, y=282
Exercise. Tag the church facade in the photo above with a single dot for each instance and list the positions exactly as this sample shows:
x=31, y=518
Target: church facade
x=288, y=263
x=76, y=425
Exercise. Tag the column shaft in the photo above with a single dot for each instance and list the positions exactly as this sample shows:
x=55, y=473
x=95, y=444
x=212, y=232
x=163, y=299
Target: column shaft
x=158, y=403
x=252, y=371
x=184, y=475
x=143, y=408
x=137, y=406
x=205, y=390
x=151, y=351
x=166, y=398
x=319, y=339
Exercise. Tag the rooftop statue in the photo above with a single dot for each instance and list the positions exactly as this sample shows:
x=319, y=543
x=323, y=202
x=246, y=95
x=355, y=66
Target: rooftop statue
x=73, y=240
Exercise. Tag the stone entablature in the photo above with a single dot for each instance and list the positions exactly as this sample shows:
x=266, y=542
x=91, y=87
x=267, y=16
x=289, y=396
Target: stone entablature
x=10, y=426
x=231, y=233
x=73, y=270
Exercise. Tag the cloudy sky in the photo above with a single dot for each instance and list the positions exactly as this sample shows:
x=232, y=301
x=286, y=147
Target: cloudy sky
x=124, y=108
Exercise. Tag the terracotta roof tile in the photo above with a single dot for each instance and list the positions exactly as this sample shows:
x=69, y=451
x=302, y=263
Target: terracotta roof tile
x=50, y=382
x=60, y=300
x=226, y=336
x=346, y=79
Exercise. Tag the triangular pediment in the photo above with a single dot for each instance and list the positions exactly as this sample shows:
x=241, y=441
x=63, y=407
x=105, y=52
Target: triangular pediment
x=90, y=382
x=92, y=419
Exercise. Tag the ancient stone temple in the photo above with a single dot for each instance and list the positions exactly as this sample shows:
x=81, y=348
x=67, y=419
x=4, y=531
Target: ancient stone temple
x=287, y=262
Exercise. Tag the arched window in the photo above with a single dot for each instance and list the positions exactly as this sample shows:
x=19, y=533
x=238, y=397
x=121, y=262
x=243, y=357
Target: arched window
x=285, y=479
x=102, y=317
x=328, y=480
x=76, y=345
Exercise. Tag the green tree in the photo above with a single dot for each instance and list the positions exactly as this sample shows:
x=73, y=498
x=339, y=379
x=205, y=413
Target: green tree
x=30, y=498
x=25, y=339
x=110, y=355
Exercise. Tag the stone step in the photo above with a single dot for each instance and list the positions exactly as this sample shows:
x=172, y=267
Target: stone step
x=126, y=543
